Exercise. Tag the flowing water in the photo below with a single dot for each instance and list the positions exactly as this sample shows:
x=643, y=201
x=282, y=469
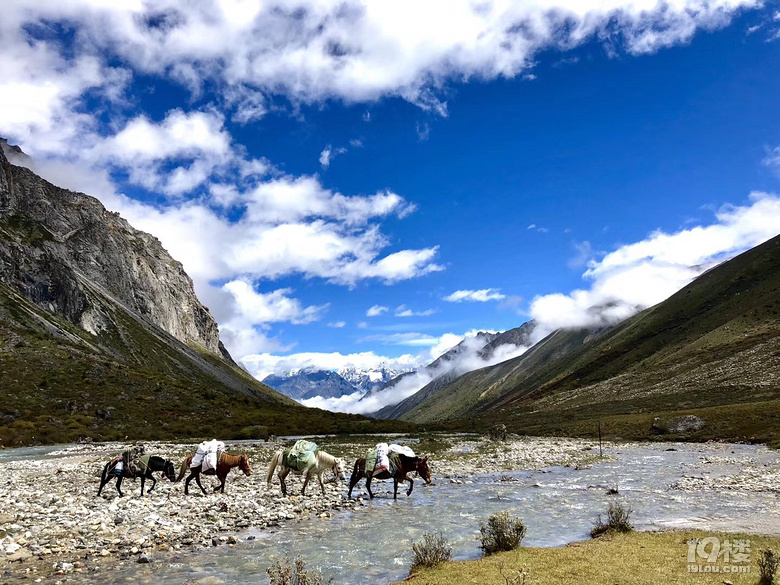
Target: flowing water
x=558, y=505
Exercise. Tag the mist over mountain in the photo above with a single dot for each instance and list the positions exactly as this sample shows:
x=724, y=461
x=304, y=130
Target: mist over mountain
x=475, y=351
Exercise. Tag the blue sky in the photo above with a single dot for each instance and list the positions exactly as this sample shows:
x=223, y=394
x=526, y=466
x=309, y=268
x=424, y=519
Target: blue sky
x=580, y=166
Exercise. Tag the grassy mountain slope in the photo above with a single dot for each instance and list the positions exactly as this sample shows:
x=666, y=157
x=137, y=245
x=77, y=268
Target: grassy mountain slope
x=713, y=348
x=60, y=383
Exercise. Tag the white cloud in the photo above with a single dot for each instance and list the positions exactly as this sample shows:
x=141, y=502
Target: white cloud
x=481, y=296
x=273, y=307
x=325, y=156
x=376, y=310
x=772, y=159
x=404, y=311
x=639, y=275
x=411, y=339
x=360, y=51
x=196, y=141
x=337, y=324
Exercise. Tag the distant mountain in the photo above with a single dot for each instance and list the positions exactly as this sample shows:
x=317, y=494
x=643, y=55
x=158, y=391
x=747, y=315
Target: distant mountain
x=102, y=335
x=709, y=350
x=366, y=380
x=304, y=384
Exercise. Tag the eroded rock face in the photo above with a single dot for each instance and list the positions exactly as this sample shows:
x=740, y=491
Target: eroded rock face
x=63, y=250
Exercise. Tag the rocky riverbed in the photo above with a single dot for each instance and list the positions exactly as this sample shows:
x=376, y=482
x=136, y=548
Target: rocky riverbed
x=53, y=527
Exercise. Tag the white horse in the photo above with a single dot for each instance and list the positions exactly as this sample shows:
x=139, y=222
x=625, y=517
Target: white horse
x=323, y=461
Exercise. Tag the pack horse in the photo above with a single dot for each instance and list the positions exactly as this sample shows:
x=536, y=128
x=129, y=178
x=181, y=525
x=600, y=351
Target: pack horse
x=212, y=459
x=134, y=463
x=389, y=462
x=307, y=459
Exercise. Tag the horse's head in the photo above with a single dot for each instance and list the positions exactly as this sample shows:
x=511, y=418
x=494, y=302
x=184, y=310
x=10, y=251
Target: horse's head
x=423, y=469
x=338, y=469
x=169, y=470
x=243, y=465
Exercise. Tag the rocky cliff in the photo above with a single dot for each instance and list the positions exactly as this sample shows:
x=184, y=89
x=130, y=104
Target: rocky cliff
x=57, y=247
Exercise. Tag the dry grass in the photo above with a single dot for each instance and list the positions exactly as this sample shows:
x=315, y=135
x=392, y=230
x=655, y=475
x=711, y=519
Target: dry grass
x=636, y=558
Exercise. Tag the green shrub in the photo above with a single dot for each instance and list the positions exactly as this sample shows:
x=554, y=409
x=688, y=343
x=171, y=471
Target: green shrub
x=432, y=550
x=293, y=573
x=501, y=533
x=618, y=520
x=767, y=566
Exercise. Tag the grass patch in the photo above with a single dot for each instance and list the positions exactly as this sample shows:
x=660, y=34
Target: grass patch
x=634, y=558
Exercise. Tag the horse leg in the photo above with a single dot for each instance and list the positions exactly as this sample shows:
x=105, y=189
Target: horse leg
x=154, y=482
x=221, y=485
x=395, y=488
x=305, y=482
x=143, y=480
x=356, y=476
x=119, y=485
x=187, y=483
x=368, y=487
x=322, y=485
x=282, y=474
x=197, y=480
x=411, y=485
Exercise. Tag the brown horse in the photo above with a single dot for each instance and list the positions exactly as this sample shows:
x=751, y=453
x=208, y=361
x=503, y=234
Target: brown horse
x=224, y=465
x=406, y=465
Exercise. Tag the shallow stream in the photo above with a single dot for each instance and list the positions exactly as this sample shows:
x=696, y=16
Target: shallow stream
x=558, y=505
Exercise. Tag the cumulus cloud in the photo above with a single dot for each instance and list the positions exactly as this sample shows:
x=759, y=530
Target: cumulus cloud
x=642, y=274
x=376, y=310
x=359, y=51
x=481, y=296
x=272, y=307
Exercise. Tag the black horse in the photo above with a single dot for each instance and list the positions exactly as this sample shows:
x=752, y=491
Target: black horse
x=154, y=464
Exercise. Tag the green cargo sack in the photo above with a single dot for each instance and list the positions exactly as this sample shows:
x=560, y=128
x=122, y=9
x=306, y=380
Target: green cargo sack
x=301, y=455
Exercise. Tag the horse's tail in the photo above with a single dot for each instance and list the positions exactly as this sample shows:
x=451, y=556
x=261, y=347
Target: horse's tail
x=355, y=472
x=104, y=475
x=185, y=465
x=275, y=460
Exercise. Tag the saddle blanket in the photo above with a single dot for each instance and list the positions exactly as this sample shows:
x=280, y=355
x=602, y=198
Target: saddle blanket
x=207, y=455
x=301, y=455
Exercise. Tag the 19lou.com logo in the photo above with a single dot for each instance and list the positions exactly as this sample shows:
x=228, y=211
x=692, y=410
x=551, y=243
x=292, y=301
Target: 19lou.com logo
x=713, y=555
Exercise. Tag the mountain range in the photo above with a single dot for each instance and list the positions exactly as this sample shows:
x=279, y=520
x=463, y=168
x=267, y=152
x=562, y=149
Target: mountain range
x=712, y=350
x=103, y=337
x=307, y=383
